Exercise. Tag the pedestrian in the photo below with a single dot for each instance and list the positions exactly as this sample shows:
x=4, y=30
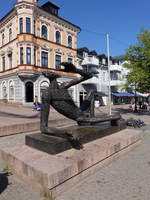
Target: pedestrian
x=36, y=104
x=140, y=104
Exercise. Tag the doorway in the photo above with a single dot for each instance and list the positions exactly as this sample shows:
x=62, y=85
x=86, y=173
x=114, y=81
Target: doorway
x=29, y=92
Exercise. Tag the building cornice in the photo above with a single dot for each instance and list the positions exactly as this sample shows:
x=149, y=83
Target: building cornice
x=6, y=19
x=8, y=43
x=36, y=37
x=34, y=69
x=58, y=20
x=39, y=11
x=45, y=40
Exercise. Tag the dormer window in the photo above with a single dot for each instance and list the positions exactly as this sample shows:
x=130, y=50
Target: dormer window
x=69, y=41
x=44, y=32
x=58, y=37
x=50, y=8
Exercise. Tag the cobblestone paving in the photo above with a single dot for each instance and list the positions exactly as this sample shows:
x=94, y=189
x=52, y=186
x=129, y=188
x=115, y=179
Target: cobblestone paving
x=16, y=188
x=127, y=178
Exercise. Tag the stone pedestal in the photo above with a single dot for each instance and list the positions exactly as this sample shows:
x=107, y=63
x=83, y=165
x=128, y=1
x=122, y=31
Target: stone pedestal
x=60, y=172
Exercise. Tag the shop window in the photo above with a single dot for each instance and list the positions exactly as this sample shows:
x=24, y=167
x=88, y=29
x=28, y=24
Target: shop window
x=4, y=91
x=11, y=90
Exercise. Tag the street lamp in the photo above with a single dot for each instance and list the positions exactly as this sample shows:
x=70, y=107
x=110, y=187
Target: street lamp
x=135, y=107
x=109, y=88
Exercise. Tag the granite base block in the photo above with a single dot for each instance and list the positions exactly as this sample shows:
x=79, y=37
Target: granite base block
x=48, y=144
x=54, y=145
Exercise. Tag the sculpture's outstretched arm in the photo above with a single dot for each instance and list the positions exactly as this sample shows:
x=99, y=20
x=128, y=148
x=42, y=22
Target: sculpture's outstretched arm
x=69, y=67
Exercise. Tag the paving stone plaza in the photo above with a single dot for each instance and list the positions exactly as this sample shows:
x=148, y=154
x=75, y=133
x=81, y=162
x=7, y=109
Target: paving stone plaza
x=125, y=178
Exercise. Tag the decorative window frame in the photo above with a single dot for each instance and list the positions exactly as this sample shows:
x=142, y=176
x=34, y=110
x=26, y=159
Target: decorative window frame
x=39, y=87
x=9, y=90
x=60, y=36
x=10, y=34
x=69, y=35
x=47, y=32
x=70, y=55
x=46, y=49
x=43, y=23
x=3, y=39
x=58, y=52
x=55, y=54
x=4, y=83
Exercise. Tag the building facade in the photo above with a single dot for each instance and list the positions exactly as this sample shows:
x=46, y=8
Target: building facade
x=92, y=62
x=33, y=39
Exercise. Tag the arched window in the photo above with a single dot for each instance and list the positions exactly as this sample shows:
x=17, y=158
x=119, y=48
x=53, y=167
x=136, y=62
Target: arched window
x=43, y=87
x=10, y=34
x=44, y=32
x=4, y=90
x=58, y=37
x=69, y=41
x=3, y=39
x=11, y=90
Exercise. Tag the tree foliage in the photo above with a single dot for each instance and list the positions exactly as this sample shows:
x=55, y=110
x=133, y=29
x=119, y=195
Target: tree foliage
x=138, y=56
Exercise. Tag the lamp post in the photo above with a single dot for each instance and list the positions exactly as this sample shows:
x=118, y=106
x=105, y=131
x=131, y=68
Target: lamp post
x=135, y=108
x=109, y=87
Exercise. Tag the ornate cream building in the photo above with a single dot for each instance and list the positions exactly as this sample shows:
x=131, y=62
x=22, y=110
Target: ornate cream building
x=33, y=38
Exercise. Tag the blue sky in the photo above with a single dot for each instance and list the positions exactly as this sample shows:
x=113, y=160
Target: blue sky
x=122, y=19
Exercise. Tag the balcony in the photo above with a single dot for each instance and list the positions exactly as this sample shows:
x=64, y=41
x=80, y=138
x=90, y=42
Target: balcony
x=115, y=68
x=117, y=82
x=90, y=60
x=92, y=80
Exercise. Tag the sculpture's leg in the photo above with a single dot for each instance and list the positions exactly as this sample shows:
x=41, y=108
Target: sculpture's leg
x=45, y=109
x=45, y=106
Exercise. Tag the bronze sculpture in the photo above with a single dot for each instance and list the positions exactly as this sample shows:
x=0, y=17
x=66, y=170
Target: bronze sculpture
x=58, y=96
x=55, y=140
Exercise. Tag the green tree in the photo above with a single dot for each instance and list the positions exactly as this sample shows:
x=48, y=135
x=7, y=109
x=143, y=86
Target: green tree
x=138, y=56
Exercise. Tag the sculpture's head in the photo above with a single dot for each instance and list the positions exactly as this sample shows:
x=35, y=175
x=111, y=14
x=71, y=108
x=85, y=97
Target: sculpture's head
x=51, y=75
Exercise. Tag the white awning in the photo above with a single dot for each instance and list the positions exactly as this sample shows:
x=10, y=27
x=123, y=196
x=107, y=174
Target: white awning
x=143, y=94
